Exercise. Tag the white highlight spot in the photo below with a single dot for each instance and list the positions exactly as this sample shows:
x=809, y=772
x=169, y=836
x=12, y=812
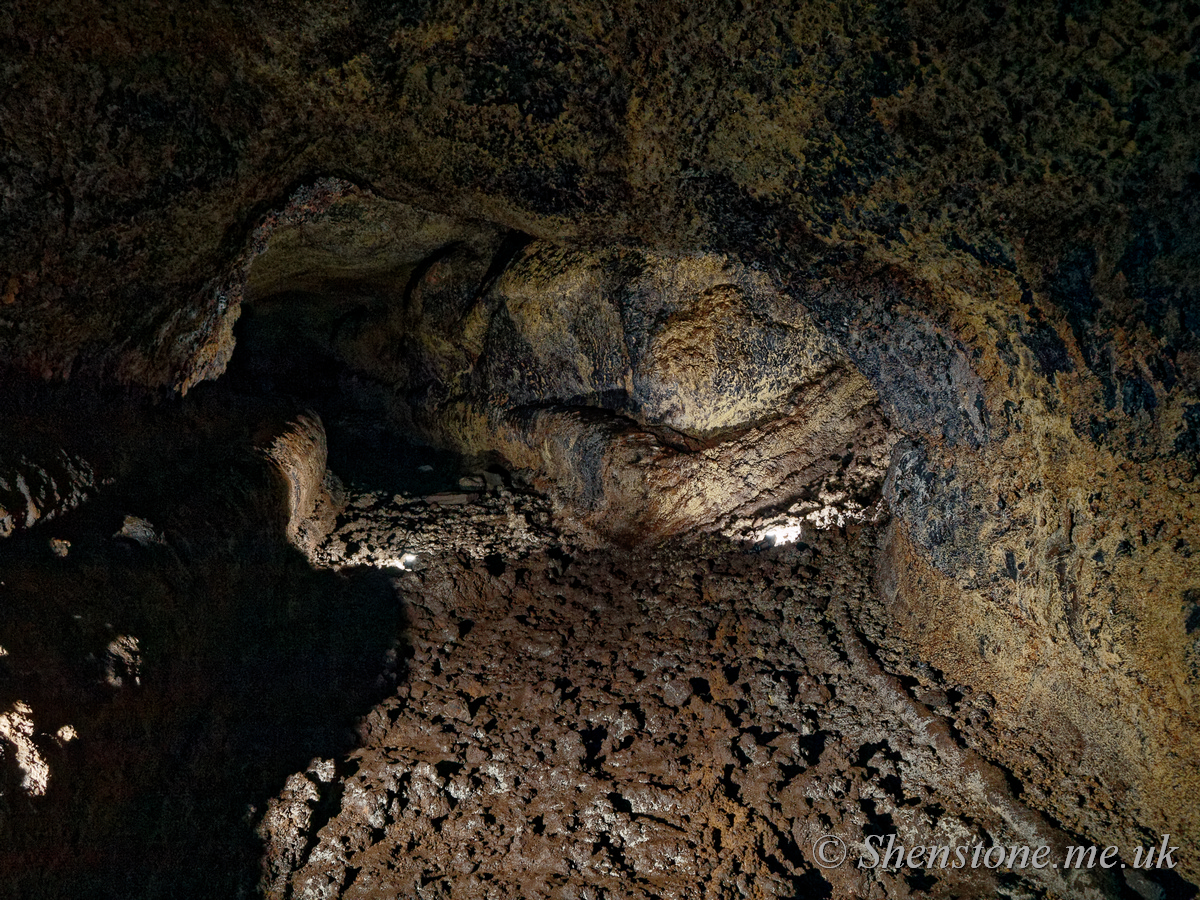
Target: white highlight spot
x=67, y=733
x=16, y=727
x=783, y=534
x=404, y=563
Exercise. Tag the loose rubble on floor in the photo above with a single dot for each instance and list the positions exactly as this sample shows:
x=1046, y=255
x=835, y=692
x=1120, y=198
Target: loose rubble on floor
x=401, y=531
x=687, y=722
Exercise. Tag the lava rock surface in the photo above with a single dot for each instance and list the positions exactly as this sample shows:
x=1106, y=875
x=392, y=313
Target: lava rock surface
x=683, y=723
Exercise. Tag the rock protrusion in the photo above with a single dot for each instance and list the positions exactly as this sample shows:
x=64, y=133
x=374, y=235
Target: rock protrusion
x=33, y=490
x=298, y=454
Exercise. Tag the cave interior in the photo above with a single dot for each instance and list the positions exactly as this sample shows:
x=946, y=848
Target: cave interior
x=458, y=451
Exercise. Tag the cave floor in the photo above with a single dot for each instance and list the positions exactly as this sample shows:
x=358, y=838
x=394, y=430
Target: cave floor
x=450, y=695
x=687, y=722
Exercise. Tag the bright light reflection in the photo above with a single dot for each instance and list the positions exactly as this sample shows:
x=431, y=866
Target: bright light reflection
x=404, y=563
x=783, y=534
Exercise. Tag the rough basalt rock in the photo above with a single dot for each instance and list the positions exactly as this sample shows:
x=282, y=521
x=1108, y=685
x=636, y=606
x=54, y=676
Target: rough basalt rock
x=687, y=723
x=30, y=492
x=299, y=453
x=650, y=393
x=180, y=659
x=667, y=260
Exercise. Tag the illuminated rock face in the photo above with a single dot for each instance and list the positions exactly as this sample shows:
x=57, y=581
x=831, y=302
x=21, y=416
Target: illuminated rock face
x=684, y=269
x=652, y=394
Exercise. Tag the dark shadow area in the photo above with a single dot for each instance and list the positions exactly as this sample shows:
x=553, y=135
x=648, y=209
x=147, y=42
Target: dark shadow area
x=199, y=657
x=280, y=353
x=374, y=458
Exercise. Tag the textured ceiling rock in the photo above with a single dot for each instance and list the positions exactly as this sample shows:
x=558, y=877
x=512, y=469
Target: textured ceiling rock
x=651, y=393
x=696, y=344
x=337, y=233
x=985, y=220
x=145, y=144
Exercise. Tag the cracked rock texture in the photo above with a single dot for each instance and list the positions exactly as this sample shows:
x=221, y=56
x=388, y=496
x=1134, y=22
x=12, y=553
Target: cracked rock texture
x=30, y=491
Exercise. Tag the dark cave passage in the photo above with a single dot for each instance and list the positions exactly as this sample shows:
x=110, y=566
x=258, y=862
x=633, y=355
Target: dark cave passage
x=197, y=655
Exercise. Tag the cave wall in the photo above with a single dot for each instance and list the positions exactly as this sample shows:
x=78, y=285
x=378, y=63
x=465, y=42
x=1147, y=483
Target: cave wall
x=992, y=213
x=651, y=393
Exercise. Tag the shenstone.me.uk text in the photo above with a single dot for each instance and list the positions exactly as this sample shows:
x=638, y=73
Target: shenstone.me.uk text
x=887, y=852
x=890, y=853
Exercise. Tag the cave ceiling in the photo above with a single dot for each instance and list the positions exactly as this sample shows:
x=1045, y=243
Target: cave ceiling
x=907, y=290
